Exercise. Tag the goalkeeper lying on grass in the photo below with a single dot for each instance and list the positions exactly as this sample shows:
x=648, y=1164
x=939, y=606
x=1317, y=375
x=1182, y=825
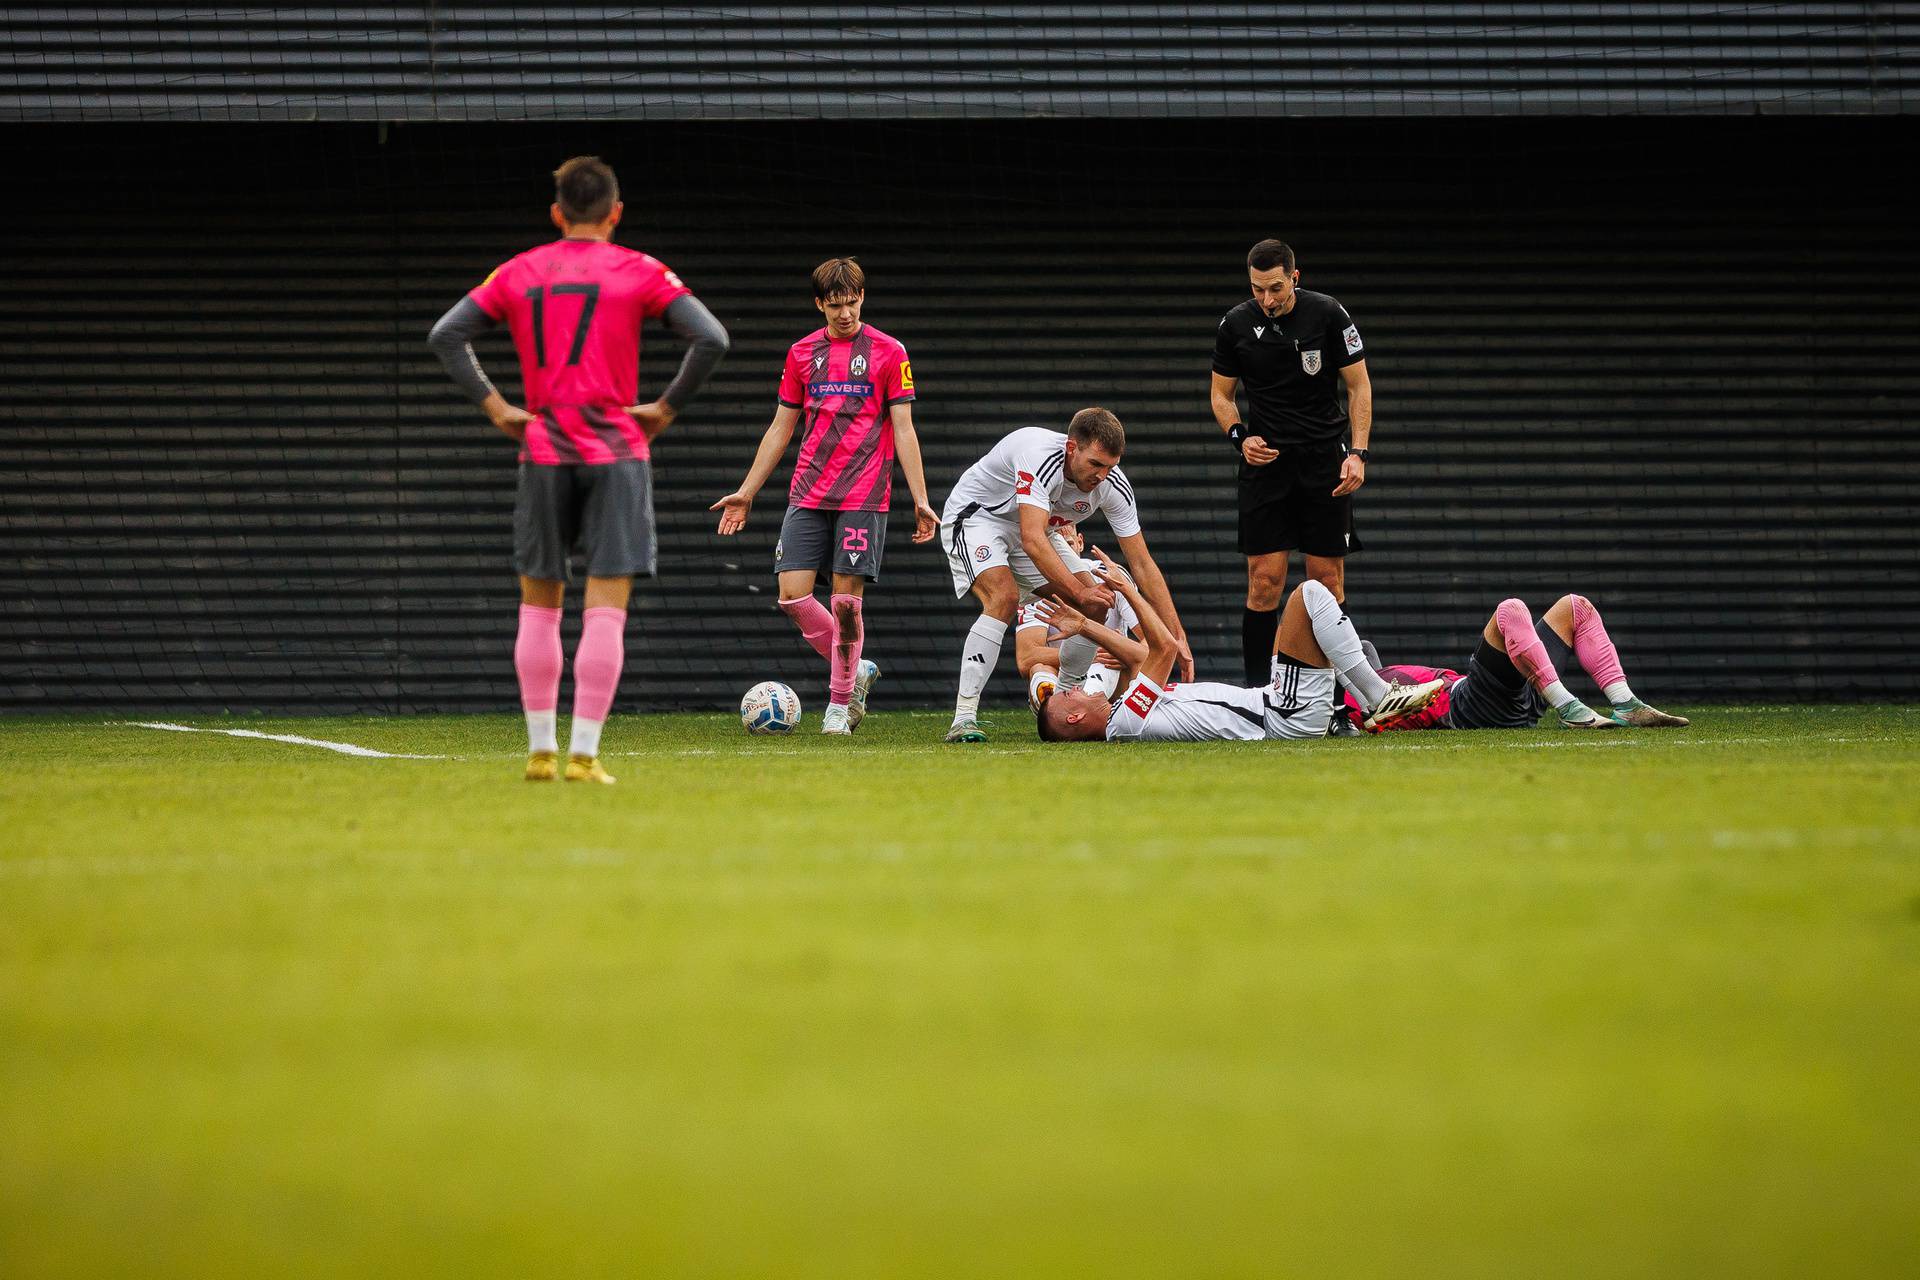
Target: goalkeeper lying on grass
x=1313, y=641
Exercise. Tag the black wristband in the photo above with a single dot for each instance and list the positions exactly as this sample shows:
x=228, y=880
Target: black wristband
x=1357, y=453
x=1236, y=435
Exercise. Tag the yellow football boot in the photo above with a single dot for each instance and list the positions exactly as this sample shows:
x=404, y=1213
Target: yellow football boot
x=587, y=769
x=543, y=766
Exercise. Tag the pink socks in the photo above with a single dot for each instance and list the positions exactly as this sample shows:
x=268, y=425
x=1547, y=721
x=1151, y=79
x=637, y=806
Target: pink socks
x=1524, y=649
x=1594, y=647
x=815, y=623
x=849, y=635
x=597, y=662
x=537, y=658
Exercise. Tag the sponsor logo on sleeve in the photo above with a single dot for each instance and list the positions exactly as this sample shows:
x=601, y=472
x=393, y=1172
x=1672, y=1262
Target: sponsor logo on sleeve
x=906, y=375
x=1024, y=483
x=1310, y=361
x=1140, y=699
x=490, y=275
x=1351, y=336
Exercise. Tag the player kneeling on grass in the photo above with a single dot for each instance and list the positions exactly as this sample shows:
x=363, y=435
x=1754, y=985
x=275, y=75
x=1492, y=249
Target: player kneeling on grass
x=1314, y=641
x=1037, y=645
x=1513, y=677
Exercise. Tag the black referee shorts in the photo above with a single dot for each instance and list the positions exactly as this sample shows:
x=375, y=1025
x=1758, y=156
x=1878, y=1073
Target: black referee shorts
x=1289, y=504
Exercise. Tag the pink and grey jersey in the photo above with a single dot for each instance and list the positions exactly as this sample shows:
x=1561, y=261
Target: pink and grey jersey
x=1433, y=715
x=575, y=308
x=844, y=391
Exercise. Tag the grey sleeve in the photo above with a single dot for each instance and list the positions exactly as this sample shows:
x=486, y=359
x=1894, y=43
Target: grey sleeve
x=706, y=340
x=452, y=340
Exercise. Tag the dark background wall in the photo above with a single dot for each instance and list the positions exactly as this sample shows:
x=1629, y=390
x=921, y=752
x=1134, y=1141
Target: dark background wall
x=515, y=61
x=1669, y=363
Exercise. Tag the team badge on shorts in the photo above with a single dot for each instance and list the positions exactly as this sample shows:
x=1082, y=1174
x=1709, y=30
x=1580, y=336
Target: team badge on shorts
x=1310, y=361
x=778, y=548
x=981, y=553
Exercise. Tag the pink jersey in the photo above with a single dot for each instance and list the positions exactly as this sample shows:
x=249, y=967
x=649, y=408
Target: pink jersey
x=1434, y=715
x=575, y=308
x=844, y=391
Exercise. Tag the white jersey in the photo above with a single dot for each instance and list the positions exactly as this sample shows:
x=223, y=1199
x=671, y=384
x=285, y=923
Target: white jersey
x=1298, y=704
x=1120, y=618
x=1029, y=469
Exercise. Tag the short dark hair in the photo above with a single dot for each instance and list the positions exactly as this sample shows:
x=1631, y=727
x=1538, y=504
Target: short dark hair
x=1098, y=426
x=838, y=278
x=1269, y=254
x=585, y=189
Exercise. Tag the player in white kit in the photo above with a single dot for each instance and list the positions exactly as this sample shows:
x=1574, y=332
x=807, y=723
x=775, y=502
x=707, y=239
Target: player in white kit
x=1003, y=522
x=1314, y=641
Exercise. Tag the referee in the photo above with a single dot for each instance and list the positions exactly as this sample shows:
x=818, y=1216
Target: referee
x=1295, y=350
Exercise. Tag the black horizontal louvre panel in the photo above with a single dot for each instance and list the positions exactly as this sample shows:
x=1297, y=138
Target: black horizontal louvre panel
x=234, y=477
x=707, y=62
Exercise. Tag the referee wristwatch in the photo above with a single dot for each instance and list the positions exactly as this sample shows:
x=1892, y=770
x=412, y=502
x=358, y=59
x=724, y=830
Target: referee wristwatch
x=1357, y=453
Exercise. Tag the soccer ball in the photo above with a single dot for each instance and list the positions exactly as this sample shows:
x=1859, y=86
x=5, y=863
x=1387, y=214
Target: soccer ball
x=770, y=707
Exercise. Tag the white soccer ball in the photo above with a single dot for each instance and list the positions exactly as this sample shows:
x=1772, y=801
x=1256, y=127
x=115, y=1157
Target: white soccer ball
x=770, y=707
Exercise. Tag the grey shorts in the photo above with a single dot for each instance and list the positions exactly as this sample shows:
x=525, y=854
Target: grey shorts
x=606, y=511
x=1494, y=695
x=849, y=542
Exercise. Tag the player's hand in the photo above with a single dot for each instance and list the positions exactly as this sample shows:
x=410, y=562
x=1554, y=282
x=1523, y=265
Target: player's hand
x=1185, y=651
x=1092, y=599
x=926, y=522
x=653, y=418
x=1059, y=615
x=511, y=419
x=733, y=512
x=1257, y=452
x=1101, y=658
x=1353, y=474
x=1110, y=572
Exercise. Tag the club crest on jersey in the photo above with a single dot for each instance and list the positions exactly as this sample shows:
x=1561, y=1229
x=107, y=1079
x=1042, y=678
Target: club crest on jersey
x=858, y=369
x=1310, y=361
x=1082, y=507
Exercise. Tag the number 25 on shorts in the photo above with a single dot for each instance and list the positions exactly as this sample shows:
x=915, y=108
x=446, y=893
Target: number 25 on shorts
x=856, y=540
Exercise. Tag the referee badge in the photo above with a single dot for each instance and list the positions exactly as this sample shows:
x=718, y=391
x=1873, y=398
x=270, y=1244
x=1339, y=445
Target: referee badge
x=1310, y=361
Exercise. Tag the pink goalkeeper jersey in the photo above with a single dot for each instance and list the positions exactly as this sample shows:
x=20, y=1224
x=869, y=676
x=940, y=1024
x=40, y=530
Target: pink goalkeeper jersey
x=1434, y=714
x=844, y=391
x=575, y=308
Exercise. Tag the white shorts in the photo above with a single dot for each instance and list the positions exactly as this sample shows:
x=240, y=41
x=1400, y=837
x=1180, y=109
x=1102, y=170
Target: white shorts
x=979, y=543
x=1300, y=701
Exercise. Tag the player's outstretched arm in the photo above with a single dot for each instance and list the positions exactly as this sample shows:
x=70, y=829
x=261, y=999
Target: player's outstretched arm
x=1153, y=659
x=906, y=447
x=734, y=507
x=451, y=339
x=1153, y=585
x=1039, y=549
x=1069, y=621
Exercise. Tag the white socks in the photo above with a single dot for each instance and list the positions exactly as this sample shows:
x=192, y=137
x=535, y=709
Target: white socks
x=542, y=734
x=586, y=737
x=1076, y=655
x=1556, y=694
x=1341, y=643
x=977, y=663
x=1619, y=693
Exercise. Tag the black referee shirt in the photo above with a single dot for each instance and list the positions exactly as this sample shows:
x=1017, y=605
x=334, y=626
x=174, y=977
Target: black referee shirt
x=1291, y=366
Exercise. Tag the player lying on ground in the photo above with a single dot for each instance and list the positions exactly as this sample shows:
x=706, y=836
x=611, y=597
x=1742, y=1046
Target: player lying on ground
x=854, y=386
x=1513, y=677
x=1004, y=521
x=575, y=307
x=1314, y=640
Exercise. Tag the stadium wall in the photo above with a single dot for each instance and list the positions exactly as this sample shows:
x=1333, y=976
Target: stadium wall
x=705, y=62
x=1668, y=363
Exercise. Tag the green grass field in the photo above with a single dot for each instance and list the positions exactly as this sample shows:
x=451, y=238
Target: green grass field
x=1529, y=1004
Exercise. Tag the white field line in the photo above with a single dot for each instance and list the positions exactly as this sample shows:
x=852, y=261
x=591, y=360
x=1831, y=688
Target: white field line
x=344, y=748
